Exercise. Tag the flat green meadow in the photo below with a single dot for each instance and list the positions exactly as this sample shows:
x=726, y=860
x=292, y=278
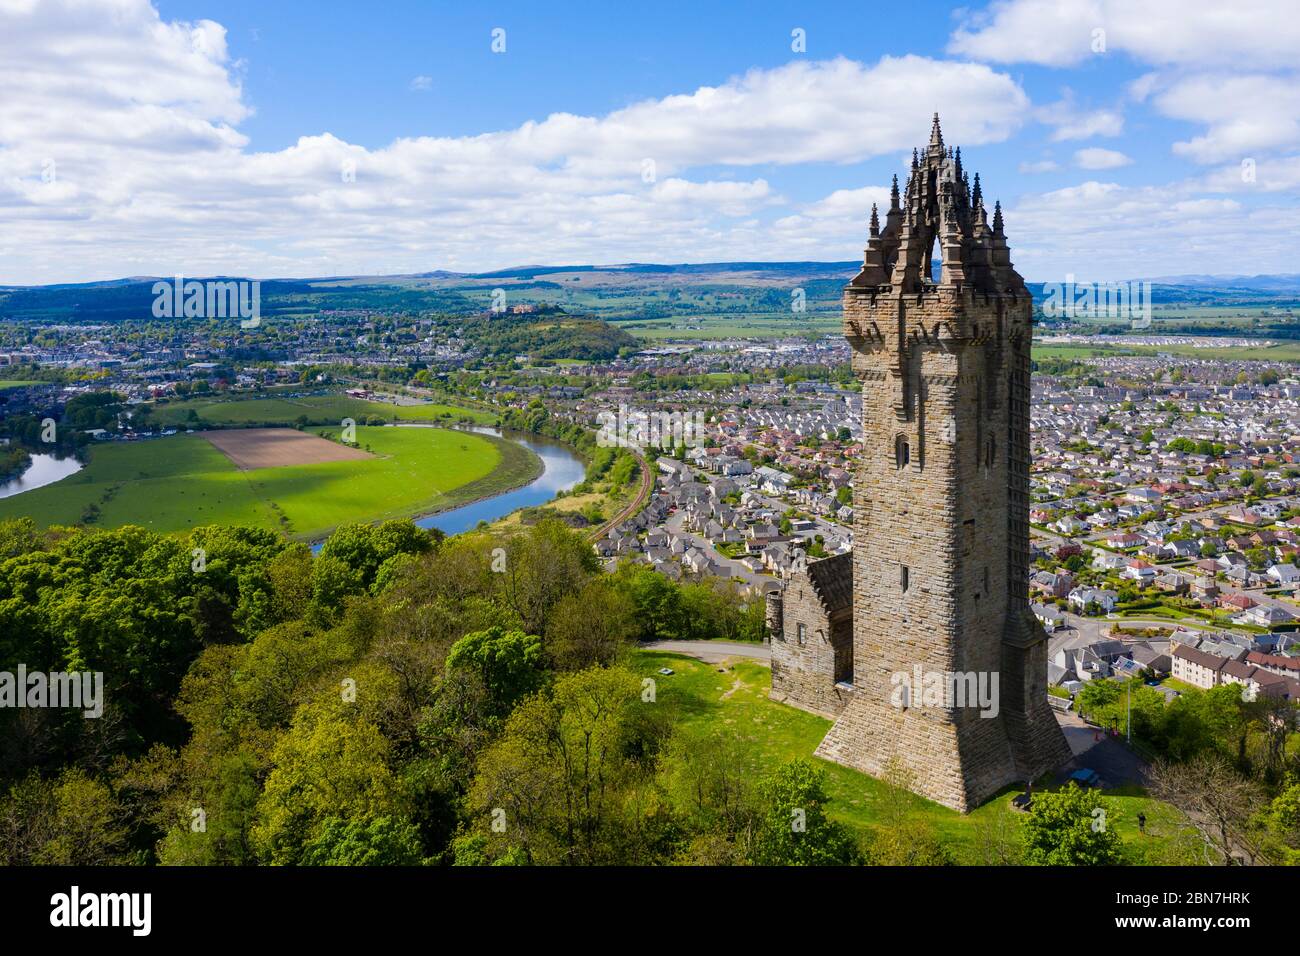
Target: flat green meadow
x=172, y=484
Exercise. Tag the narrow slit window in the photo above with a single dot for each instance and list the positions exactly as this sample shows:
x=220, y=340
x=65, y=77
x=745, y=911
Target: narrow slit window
x=902, y=451
x=904, y=576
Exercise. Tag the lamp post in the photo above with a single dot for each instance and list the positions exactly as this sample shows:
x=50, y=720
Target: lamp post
x=1128, y=710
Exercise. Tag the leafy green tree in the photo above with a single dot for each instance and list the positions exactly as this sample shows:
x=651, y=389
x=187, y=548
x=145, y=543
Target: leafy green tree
x=328, y=765
x=592, y=627
x=510, y=663
x=794, y=829
x=1070, y=828
x=373, y=841
x=566, y=776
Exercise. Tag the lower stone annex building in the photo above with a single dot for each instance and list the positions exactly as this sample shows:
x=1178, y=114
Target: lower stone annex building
x=937, y=582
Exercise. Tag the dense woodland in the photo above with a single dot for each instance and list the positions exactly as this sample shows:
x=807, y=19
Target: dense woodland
x=383, y=702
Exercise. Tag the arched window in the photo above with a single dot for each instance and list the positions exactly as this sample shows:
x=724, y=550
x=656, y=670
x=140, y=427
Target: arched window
x=902, y=451
x=990, y=452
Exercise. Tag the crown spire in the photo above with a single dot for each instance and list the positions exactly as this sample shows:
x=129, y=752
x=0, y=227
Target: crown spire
x=997, y=217
x=977, y=195
x=875, y=218
x=936, y=134
x=893, y=193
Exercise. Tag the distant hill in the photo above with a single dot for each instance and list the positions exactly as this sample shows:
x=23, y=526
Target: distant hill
x=621, y=292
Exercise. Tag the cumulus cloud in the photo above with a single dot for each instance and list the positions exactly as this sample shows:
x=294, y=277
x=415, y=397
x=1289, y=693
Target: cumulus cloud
x=1070, y=122
x=1265, y=33
x=1243, y=114
x=1097, y=158
x=1104, y=231
x=120, y=154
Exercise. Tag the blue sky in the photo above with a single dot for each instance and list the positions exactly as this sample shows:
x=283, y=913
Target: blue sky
x=315, y=139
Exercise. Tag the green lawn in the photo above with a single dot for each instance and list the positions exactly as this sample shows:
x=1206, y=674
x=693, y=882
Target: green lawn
x=176, y=483
x=738, y=700
x=12, y=383
x=319, y=410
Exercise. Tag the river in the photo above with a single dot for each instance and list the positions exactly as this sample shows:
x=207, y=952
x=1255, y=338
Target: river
x=561, y=470
x=44, y=470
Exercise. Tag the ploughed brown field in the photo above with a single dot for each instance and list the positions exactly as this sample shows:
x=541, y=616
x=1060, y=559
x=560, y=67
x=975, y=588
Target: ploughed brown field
x=251, y=448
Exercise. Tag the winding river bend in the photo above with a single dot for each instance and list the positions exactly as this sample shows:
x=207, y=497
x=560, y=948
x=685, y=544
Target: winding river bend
x=561, y=470
x=44, y=470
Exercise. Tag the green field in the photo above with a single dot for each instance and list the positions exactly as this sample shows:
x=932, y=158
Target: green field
x=731, y=325
x=318, y=409
x=11, y=383
x=180, y=482
x=737, y=700
x=1282, y=352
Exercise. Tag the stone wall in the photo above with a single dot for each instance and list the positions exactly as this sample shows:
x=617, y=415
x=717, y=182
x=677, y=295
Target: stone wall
x=941, y=549
x=813, y=672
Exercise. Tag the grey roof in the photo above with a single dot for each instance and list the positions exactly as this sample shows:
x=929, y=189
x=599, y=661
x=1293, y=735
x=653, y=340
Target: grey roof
x=832, y=579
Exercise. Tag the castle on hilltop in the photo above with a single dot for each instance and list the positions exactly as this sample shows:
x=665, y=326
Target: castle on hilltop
x=920, y=643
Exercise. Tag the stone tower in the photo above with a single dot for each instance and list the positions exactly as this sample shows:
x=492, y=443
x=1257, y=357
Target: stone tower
x=940, y=586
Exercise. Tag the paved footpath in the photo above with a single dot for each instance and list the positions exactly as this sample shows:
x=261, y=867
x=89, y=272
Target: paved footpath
x=1114, y=762
x=713, y=652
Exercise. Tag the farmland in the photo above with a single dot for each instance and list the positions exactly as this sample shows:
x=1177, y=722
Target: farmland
x=183, y=481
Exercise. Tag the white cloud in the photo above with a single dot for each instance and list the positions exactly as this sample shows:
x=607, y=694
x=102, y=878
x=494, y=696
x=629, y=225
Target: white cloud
x=1071, y=123
x=1099, y=231
x=1039, y=166
x=421, y=83
x=1264, y=33
x=1244, y=114
x=1097, y=158
x=140, y=118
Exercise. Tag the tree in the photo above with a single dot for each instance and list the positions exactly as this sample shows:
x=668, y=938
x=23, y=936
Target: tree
x=368, y=841
x=794, y=830
x=1218, y=802
x=542, y=565
x=1070, y=828
x=561, y=783
x=328, y=765
x=902, y=838
x=593, y=627
x=510, y=663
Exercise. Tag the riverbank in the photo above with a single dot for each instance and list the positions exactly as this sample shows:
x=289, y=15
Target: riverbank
x=519, y=467
x=183, y=481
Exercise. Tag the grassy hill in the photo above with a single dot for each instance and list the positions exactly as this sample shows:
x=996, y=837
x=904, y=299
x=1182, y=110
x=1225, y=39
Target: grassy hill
x=737, y=701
